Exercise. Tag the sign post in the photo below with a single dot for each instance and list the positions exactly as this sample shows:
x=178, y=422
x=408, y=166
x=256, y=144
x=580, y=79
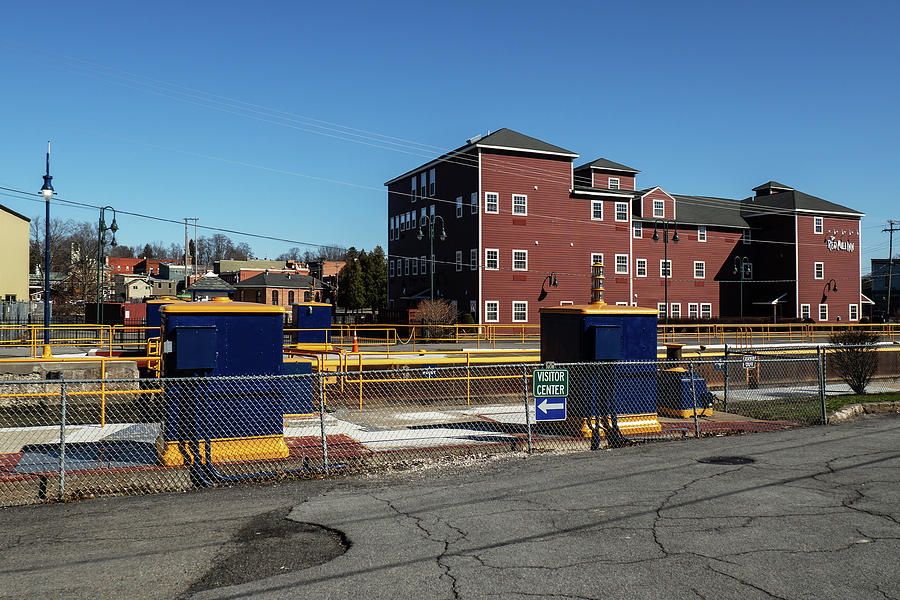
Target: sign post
x=550, y=388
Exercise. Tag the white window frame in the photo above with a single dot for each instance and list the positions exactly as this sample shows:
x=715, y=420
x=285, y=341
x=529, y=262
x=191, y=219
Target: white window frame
x=423, y=185
x=661, y=309
x=431, y=186
x=491, y=306
x=805, y=311
x=523, y=306
x=521, y=209
x=853, y=312
x=818, y=270
x=459, y=207
x=514, y=268
x=706, y=310
x=415, y=267
x=702, y=269
x=406, y=266
x=821, y=308
x=693, y=310
x=595, y=204
x=474, y=203
x=491, y=203
x=613, y=183
x=594, y=260
x=423, y=265
x=659, y=209
x=391, y=268
x=675, y=310
x=491, y=253
x=701, y=233
x=662, y=268
x=423, y=218
x=637, y=230
x=640, y=267
x=623, y=208
x=621, y=264
x=473, y=259
x=415, y=188
x=459, y=260
x=818, y=225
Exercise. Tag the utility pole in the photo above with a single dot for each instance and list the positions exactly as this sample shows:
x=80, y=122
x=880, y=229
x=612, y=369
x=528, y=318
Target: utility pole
x=891, y=229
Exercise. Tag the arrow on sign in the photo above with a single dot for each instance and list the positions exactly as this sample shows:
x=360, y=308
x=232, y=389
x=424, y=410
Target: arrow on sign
x=545, y=405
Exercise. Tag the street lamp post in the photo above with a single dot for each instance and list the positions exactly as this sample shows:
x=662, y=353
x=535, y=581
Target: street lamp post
x=551, y=279
x=47, y=193
x=664, y=223
x=831, y=286
x=443, y=236
x=101, y=230
x=740, y=266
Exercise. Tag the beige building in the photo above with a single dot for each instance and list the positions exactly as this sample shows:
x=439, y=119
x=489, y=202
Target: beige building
x=14, y=234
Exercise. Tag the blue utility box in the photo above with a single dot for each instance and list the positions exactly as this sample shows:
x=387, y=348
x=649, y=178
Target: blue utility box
x=622, y=396
x=313, y=322
x=243, y=417
x=153, y=314
x=676, y=398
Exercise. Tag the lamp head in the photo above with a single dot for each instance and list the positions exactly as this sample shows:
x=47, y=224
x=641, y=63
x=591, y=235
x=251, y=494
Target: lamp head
x=419, y=234
x=443, y=235
x=675, y=237
x=47, y=188
x=655, y=233
x=553, y=281
x=114, y=228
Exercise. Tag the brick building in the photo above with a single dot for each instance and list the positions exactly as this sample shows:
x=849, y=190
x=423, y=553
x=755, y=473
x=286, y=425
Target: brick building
x=279, y=289
x=516, y=210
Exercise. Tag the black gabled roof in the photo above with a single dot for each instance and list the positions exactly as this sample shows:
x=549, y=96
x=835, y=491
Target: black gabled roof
x=709, y=210
x=607, y=165
x=793, y=200
x=280, y=280
x=513, y=140
x=210, y=282
x=772, y=185
x=502, y=138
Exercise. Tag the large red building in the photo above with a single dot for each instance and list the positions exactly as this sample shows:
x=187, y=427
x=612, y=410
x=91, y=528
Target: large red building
x=517, y=212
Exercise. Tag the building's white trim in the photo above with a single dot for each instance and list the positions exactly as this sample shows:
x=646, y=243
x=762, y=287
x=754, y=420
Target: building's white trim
x=796, y=269
x=480, y=245
x=526, y=150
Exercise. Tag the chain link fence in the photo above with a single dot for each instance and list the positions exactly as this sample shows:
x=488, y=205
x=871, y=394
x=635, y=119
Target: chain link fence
x=80, y=438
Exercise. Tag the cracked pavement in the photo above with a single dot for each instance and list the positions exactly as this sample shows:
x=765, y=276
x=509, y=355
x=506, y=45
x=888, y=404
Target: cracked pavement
x=816, y=515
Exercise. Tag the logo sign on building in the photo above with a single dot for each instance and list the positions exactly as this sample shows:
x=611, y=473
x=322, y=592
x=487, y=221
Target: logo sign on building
x=550, y=388
x=835, y=244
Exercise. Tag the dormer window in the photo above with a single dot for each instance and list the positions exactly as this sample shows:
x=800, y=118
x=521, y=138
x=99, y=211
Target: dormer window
x=613, y=183
x=659, y=209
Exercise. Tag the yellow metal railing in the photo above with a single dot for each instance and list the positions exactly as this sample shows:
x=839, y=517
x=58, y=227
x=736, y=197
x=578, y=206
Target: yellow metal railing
x=103, y=392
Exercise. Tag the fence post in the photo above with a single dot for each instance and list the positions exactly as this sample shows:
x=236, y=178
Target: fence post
x=62, y=439
x=321, y=379
x=821, y=368
x=725, y=401
x=694, y=401
x=527, y=408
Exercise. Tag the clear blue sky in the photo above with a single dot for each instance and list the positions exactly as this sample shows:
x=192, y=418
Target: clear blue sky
x=707, y=98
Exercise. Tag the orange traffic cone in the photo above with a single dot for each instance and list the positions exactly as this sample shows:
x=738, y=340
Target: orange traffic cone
x=355, y=342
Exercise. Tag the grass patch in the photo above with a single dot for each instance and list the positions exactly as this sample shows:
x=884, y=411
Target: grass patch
x=834, y=403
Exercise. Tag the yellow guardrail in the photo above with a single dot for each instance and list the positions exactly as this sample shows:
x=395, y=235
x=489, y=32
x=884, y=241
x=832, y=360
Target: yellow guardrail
x=774, y=333
x=102, y=392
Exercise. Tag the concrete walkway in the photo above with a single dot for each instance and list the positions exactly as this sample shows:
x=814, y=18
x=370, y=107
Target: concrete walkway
x=815, y=515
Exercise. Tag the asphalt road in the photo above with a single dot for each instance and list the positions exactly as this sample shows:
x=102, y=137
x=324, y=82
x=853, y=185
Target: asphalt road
x=816, y=515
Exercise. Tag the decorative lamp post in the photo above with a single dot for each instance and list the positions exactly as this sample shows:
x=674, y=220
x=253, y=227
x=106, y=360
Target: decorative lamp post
x=664, y=223
x=740, y=266
x=551, y=279
x=442, y=236
x=47, y=193
x=101, y=230
x=831, y=286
